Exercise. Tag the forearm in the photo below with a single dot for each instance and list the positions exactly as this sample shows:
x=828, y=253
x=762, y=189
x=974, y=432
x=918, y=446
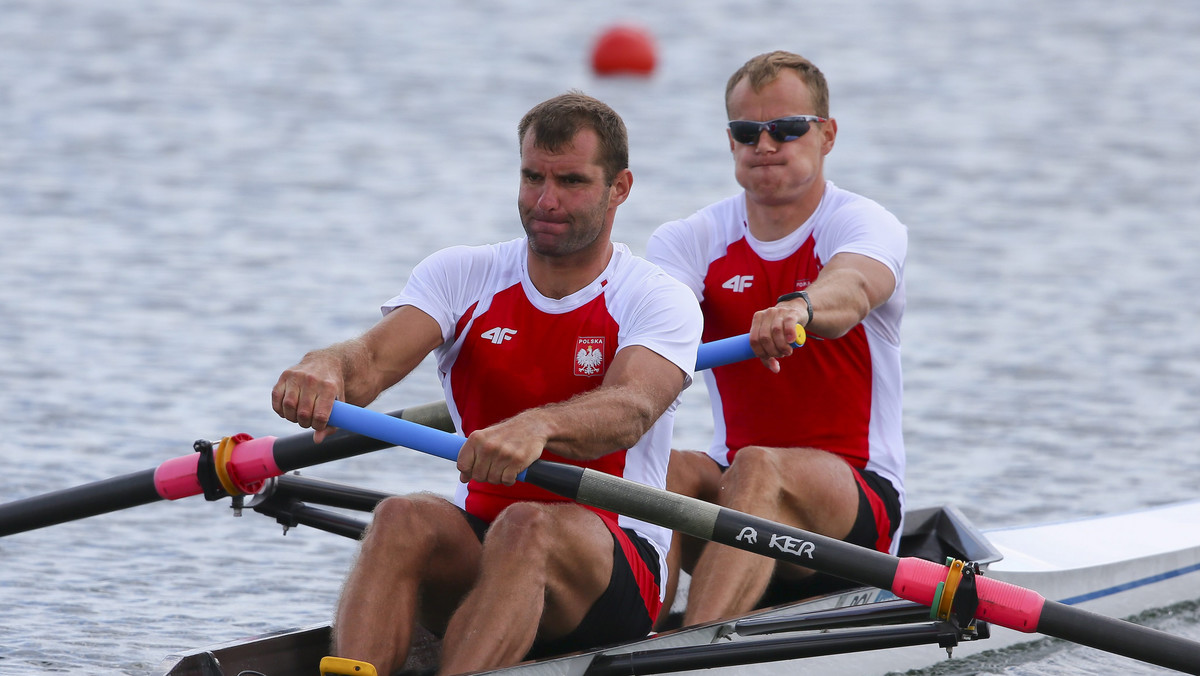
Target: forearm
x=839, y=302
x=356, y=370
x=387, y=353
x=598, y=422
x=845, y=292
x=355, y=366
x=637, y=389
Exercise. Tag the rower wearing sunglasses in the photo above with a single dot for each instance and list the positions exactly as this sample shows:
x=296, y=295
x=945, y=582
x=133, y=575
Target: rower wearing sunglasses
x=813, y=440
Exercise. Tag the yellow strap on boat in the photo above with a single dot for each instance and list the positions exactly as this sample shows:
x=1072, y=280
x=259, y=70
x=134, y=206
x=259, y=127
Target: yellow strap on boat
x=944, y=599
x=221, y=461
x=342, y=666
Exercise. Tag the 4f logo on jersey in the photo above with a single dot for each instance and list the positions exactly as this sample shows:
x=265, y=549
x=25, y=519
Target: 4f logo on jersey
x=738, y=283
x=589, y=356
x=498, y=335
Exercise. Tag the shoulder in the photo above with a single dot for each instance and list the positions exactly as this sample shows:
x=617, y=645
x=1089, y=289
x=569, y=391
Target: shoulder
x=685, y=247
x=631, y=270
x=843, y=205
x=654, y=310
x=851, y=223
x=449, y=280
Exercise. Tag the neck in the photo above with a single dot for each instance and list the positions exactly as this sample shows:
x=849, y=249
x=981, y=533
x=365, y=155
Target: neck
x=559, y=277
x=769, y=222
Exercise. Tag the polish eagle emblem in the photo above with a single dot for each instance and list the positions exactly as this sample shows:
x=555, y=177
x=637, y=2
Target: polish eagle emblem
x=589, y=357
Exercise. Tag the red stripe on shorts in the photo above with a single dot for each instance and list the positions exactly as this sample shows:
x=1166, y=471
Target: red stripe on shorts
x=642, y=573
x=883, y=525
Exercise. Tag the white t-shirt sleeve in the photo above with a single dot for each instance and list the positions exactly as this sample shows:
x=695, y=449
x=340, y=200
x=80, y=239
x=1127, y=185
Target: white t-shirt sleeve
x=866, y=228
x=667, y=321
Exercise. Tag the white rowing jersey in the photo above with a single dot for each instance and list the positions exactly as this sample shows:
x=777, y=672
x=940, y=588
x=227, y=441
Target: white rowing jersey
x=508, y=348
x=841, y=395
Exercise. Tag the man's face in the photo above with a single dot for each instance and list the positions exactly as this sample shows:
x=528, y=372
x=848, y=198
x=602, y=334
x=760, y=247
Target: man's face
x=565, y=204
x=778, y=172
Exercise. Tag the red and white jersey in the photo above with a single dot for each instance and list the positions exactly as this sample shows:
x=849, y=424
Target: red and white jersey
x=508, y=348
x=841, y=395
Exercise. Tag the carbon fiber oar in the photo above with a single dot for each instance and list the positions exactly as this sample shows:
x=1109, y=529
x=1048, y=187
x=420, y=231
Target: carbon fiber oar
x=251, y=461
x=909, y=578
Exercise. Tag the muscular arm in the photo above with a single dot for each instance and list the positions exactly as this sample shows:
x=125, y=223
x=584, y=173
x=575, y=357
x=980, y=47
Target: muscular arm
x=845, y=292
x=355, y=371
x=847, y=289
x=637, y=389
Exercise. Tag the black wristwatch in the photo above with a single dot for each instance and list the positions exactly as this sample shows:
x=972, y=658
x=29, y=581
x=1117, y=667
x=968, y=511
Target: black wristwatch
x=798, y=294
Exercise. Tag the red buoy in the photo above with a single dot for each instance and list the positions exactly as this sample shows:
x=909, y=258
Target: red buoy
x=624, y=50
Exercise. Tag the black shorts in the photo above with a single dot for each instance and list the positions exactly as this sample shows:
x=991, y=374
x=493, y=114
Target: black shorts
x=874, y=527
x=621, y=613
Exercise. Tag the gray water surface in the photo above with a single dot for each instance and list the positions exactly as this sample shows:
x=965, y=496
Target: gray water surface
x=192, y=195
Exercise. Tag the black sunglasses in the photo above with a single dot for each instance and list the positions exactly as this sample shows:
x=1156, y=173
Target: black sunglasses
x=783, y=129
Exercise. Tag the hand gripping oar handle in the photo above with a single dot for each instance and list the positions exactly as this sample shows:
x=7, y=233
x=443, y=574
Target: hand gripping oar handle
x=258, y=459
x=250, y=462
x=909, y=578
x=733, y=349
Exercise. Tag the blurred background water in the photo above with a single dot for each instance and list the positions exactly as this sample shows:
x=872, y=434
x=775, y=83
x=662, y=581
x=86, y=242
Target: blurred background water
x=192, y=195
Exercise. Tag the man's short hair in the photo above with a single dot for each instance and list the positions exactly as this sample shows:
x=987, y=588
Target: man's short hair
x=764, y=68
x=556, y=121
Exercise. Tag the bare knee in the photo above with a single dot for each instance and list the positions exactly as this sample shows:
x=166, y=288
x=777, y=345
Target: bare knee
x=523, y=527
x=753, y=463
x=809, y=471
x=754, y=459
x=402, y=523
x=756, y=477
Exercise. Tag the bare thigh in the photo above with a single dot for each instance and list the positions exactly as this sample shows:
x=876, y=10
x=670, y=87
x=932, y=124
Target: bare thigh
x=803, y=487
x=430, y=537
x=566, y=545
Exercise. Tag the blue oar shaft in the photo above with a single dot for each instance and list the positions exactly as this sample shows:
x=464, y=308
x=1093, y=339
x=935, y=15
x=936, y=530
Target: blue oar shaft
x=419, y=437
x=408, y=434
x=397, y=432
x=733, y=349
x=724, y=351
